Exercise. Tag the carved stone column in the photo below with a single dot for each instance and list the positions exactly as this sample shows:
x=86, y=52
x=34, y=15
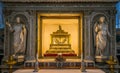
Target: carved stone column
x=32, y=37
x=87, y=40
x=7, y=40
x=113, y=33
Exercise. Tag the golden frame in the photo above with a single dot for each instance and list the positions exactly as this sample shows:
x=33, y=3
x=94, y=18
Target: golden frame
x=73, y=15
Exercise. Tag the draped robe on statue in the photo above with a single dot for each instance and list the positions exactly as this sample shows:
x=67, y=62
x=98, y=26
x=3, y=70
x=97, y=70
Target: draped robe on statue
x=19, y=39
x=101, y=34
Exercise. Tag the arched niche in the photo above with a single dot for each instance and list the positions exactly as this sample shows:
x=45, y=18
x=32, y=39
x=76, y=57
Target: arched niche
x=94, y=19
x=24, y=17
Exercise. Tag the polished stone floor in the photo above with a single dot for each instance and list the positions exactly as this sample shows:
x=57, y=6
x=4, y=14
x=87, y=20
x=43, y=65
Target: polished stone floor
x=59, y=71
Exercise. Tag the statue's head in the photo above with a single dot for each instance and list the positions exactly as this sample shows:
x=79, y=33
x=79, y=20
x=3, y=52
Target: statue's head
x=102, y=19
x=18, y=19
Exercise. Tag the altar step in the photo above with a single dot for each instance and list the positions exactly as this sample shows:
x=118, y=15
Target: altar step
x=51, y=63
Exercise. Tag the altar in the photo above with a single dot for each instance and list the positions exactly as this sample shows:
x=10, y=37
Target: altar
x=52, y=64
x=59, y=71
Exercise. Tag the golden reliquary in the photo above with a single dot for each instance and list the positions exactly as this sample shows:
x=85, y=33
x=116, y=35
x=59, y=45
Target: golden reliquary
x=60, y=43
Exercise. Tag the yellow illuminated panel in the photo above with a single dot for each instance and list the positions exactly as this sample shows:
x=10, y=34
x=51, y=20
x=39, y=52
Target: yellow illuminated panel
x=49, y=23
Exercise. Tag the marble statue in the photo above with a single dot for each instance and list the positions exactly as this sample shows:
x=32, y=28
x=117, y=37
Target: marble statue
x=101, y=35
x=19, y=37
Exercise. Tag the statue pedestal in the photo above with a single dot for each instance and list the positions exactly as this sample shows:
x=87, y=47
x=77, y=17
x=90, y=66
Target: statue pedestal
x=89, y=58
x=101, y=58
